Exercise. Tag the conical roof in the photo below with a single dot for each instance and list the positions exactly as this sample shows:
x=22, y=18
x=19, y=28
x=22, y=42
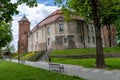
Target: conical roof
x=24, y=18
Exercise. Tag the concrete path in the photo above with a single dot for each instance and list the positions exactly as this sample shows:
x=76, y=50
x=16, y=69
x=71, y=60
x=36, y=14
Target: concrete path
x=86, y=73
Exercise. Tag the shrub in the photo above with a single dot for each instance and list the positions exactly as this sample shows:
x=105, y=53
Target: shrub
x=36, y=56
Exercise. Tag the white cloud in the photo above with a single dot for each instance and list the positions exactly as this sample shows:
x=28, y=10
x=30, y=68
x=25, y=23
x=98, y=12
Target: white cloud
x=14, y=1
x=34, y=15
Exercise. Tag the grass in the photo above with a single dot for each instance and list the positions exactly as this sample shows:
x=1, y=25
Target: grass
x=14, y=71
x=112, y=63
x=84, y=51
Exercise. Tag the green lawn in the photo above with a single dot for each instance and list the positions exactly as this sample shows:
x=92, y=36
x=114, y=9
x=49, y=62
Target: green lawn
x=112, y=63
x=14, y=71
x=84, y=51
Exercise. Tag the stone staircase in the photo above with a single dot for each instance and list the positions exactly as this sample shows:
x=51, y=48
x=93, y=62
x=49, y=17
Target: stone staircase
x=45, y=55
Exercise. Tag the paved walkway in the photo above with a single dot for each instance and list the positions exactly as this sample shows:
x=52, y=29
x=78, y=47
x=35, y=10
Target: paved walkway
x=86, y=73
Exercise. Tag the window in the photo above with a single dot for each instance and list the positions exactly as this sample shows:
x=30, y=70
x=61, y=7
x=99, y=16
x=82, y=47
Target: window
x=48, y=41
x=61, y=27
x=48, y=30
x=92, y=28
x=42, y=32
x=88, y=39
x=87, y=29
x=65, y=40
x=37, y=35
x=93, y=39
x=79, y=27
x=81, y=39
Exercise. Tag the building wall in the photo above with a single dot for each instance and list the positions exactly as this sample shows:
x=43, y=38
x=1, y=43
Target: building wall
x=75, y=34
x=112, y=36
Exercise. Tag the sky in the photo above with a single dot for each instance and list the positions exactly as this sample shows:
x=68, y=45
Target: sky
x=34, y=15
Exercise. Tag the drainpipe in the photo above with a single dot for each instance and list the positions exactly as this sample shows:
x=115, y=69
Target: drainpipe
x=45, y=38
x=83, y=35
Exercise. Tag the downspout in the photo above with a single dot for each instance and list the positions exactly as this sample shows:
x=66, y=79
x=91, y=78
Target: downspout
x=45, y=38
x=83, y=35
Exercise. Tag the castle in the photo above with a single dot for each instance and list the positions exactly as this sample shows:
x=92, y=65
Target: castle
x=55, y=33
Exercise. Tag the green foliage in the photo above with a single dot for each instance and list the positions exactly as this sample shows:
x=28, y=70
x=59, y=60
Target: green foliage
x=31, y=56
x=98, y=11
x=119, y=44
x=9, y=48
x=111, y=63
x=7, y=9
x=117, y=24
x=108, y=10
x=14, y=71
x=5, y=34
x=36, y=56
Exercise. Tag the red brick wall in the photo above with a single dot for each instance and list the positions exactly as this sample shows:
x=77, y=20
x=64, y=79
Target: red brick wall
x=24, y=28
x=113, y=36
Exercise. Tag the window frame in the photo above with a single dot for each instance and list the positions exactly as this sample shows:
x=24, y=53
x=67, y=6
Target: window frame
x=65, y=40
x=61, y=27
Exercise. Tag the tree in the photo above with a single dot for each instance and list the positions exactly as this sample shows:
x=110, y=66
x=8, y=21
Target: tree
x=92, y=10
x=5, y=34
x=9, y=48
x=117, y=23
x=7, y=9
x=110, y=14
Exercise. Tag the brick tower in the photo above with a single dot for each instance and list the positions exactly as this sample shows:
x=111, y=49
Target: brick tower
x=24, y=28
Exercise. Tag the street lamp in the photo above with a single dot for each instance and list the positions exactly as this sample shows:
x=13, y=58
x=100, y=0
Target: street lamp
x=19, y=54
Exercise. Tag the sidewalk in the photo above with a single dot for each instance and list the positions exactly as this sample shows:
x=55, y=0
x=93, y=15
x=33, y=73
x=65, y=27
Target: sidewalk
x=86, y=73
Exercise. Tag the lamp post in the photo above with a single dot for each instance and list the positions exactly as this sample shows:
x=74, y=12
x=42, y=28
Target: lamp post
x=19, y=54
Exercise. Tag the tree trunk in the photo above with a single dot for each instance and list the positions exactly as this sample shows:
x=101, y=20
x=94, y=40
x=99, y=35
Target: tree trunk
x=100, y=63
x=109, y=35
x=83, y=35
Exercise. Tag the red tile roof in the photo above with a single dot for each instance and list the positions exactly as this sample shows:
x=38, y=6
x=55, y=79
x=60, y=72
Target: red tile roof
x=51, y=18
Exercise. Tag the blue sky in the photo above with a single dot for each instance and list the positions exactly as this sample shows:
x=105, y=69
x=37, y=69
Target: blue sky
x=34, y=15
x=47, y=2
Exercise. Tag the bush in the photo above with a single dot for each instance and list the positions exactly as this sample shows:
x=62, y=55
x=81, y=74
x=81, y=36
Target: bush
x=36, y=56
x=119, y=44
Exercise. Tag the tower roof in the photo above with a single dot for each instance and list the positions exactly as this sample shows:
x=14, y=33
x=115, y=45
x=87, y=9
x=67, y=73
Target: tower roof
x=24, y=18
